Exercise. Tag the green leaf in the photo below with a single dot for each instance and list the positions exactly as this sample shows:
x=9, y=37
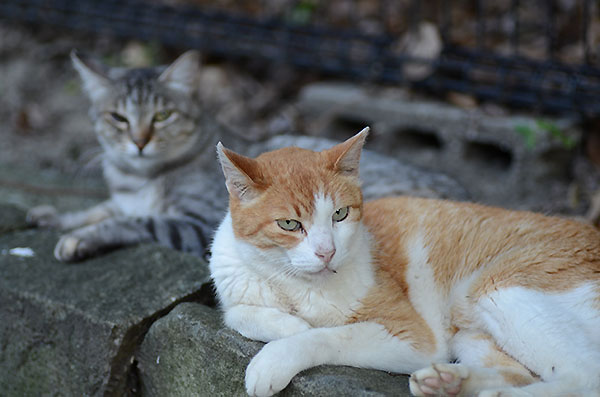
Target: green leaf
x=556, y=132
x=528, y=134
x=302, y=13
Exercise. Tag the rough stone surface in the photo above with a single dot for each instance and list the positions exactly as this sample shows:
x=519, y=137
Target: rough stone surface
x=73, y=329
x=190, y=352
x=12, y=218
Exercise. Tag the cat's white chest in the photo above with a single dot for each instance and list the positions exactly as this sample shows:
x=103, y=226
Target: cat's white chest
x=330, y=303
x=143, y=200
x=328, y=308
x=135, y=195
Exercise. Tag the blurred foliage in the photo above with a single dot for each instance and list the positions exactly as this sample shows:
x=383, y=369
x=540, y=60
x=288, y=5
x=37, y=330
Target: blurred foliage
x=302, y=13
x=72, y=86
x=542, y=130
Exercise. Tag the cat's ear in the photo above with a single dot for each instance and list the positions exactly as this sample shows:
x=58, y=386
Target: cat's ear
x=183, y=74
x=93, y=74
x=241, y=174
x=345, y=157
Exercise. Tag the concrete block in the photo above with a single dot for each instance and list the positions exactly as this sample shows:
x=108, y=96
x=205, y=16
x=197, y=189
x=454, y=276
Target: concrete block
x=488, y=154
x=191, y=353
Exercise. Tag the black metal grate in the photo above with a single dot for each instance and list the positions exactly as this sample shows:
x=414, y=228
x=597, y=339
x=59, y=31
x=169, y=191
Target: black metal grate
x=545, y=84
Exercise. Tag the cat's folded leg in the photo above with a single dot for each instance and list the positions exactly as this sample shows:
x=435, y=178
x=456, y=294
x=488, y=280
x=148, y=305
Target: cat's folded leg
x=263, y=323
x=48, y=216
x=364, y=345
x=483, y=369
x=116, y=232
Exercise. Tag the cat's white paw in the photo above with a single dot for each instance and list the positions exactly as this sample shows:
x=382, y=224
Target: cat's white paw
x=438, y=380
x=271, y=370
x=71, y=248
x=43, y=216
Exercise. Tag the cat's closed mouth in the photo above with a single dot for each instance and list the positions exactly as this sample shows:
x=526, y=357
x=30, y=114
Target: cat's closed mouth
x=325, y=270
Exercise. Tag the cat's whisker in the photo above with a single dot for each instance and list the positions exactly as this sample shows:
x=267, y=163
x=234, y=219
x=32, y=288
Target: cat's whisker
x=284, y=272
x=293, y=271
x=91, y=159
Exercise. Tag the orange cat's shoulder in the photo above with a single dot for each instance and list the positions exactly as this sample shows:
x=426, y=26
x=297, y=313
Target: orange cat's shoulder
x=377, y=210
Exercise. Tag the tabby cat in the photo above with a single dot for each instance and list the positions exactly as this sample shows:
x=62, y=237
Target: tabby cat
x=470, y=300
x=158, y=161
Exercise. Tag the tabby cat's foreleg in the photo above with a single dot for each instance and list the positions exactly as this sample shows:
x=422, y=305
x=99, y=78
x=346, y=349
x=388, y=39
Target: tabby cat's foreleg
x=179, y=233
x=47, y=216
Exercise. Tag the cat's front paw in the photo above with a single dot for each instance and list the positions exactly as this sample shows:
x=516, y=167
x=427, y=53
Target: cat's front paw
x=73, y=248
x=438, y=380
x=43, y=216
x=271, y=370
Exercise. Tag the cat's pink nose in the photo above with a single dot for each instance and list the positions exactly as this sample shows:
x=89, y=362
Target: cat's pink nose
x=325, y=256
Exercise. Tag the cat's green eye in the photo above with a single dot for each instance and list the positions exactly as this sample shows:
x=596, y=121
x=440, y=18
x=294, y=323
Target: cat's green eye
x=289, y=225
x=162, y=115
x=118, y=118
x=340, y=214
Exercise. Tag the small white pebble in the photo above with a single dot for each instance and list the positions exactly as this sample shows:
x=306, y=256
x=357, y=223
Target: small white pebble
x=25, y=252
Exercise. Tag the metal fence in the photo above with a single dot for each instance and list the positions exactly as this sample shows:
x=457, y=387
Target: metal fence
x=540, y=55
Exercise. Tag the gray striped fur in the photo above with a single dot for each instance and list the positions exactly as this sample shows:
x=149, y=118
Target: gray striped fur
x=161, y=174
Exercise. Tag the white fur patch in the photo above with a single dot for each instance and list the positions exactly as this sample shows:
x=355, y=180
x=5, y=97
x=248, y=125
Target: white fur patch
x=143, y=197
x=424, y=296
x=553, y=334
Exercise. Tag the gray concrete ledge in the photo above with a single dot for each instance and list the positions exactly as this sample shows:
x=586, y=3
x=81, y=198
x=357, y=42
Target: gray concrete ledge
x=191, y=353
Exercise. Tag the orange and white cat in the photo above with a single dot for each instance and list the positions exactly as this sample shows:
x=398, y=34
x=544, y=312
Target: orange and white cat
x=470, y=300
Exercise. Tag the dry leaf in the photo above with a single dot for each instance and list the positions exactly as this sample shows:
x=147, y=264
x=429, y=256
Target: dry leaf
x=424, y=44
x=464, y=101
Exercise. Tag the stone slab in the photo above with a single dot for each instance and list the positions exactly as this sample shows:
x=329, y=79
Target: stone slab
x=73, y=329
x=190, y=352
